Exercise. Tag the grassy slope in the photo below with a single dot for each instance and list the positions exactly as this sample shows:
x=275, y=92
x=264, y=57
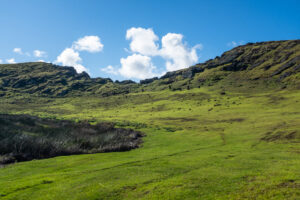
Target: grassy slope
x=267, y=63
x=199, y=144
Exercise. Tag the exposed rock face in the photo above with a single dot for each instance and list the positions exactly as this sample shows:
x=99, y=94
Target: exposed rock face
x=254, y=55
x=185, y=73
x=293, y=62
x=149, y=80
x=248, y=57
x=48, y=79
x=171, y=74
x=191, y=71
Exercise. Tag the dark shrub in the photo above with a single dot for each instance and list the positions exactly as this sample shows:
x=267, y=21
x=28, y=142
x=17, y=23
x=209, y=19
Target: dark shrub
x=24, y=137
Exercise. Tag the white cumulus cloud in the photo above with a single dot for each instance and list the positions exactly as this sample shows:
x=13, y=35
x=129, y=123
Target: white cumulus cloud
x=177, y=54
x=137, y=66
x=18, y=51
x=1, y=61
x=91, y=44
x=143, y=41
x=235, y=44
x=11, y=61
x=69, y=57
x=144, y=45
x=39, y=53
x=110, y=70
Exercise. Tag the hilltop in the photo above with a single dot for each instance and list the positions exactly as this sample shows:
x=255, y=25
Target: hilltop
x=49, y=80
x=275, y=63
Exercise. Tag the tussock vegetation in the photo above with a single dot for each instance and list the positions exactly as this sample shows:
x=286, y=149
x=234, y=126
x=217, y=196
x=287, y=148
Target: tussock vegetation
x=23, y=137
x=281, y=135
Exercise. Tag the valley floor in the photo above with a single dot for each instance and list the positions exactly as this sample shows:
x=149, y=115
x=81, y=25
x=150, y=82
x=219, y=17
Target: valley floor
x=199, y=144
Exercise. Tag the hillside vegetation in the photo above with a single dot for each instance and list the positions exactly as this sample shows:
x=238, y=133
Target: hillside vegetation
x=217, y=130
x=25, y=138
x=274, y=63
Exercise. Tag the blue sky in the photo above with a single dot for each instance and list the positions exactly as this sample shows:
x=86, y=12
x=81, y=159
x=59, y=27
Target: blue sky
x=192, y=30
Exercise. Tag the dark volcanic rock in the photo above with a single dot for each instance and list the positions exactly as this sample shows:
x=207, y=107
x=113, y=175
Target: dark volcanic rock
x=287, y=65
x=149, y=80
x=191, y=71
x=48, y=79
x=103, y=80
x=185, y=73
x=170, y=74
x=82, y=75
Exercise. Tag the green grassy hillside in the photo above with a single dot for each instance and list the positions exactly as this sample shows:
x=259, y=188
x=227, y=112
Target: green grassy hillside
x=232, y=137
x=199, y=144
x=273, y=64
x=45, y=79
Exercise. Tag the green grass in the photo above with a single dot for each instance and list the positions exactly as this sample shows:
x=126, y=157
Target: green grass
x=199, y=145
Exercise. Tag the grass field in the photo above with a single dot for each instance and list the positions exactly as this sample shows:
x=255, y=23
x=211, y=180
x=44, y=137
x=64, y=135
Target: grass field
x=199, y=144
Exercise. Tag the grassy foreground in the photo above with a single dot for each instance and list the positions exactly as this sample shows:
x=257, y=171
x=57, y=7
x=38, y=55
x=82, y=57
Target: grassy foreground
x=199, y=144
